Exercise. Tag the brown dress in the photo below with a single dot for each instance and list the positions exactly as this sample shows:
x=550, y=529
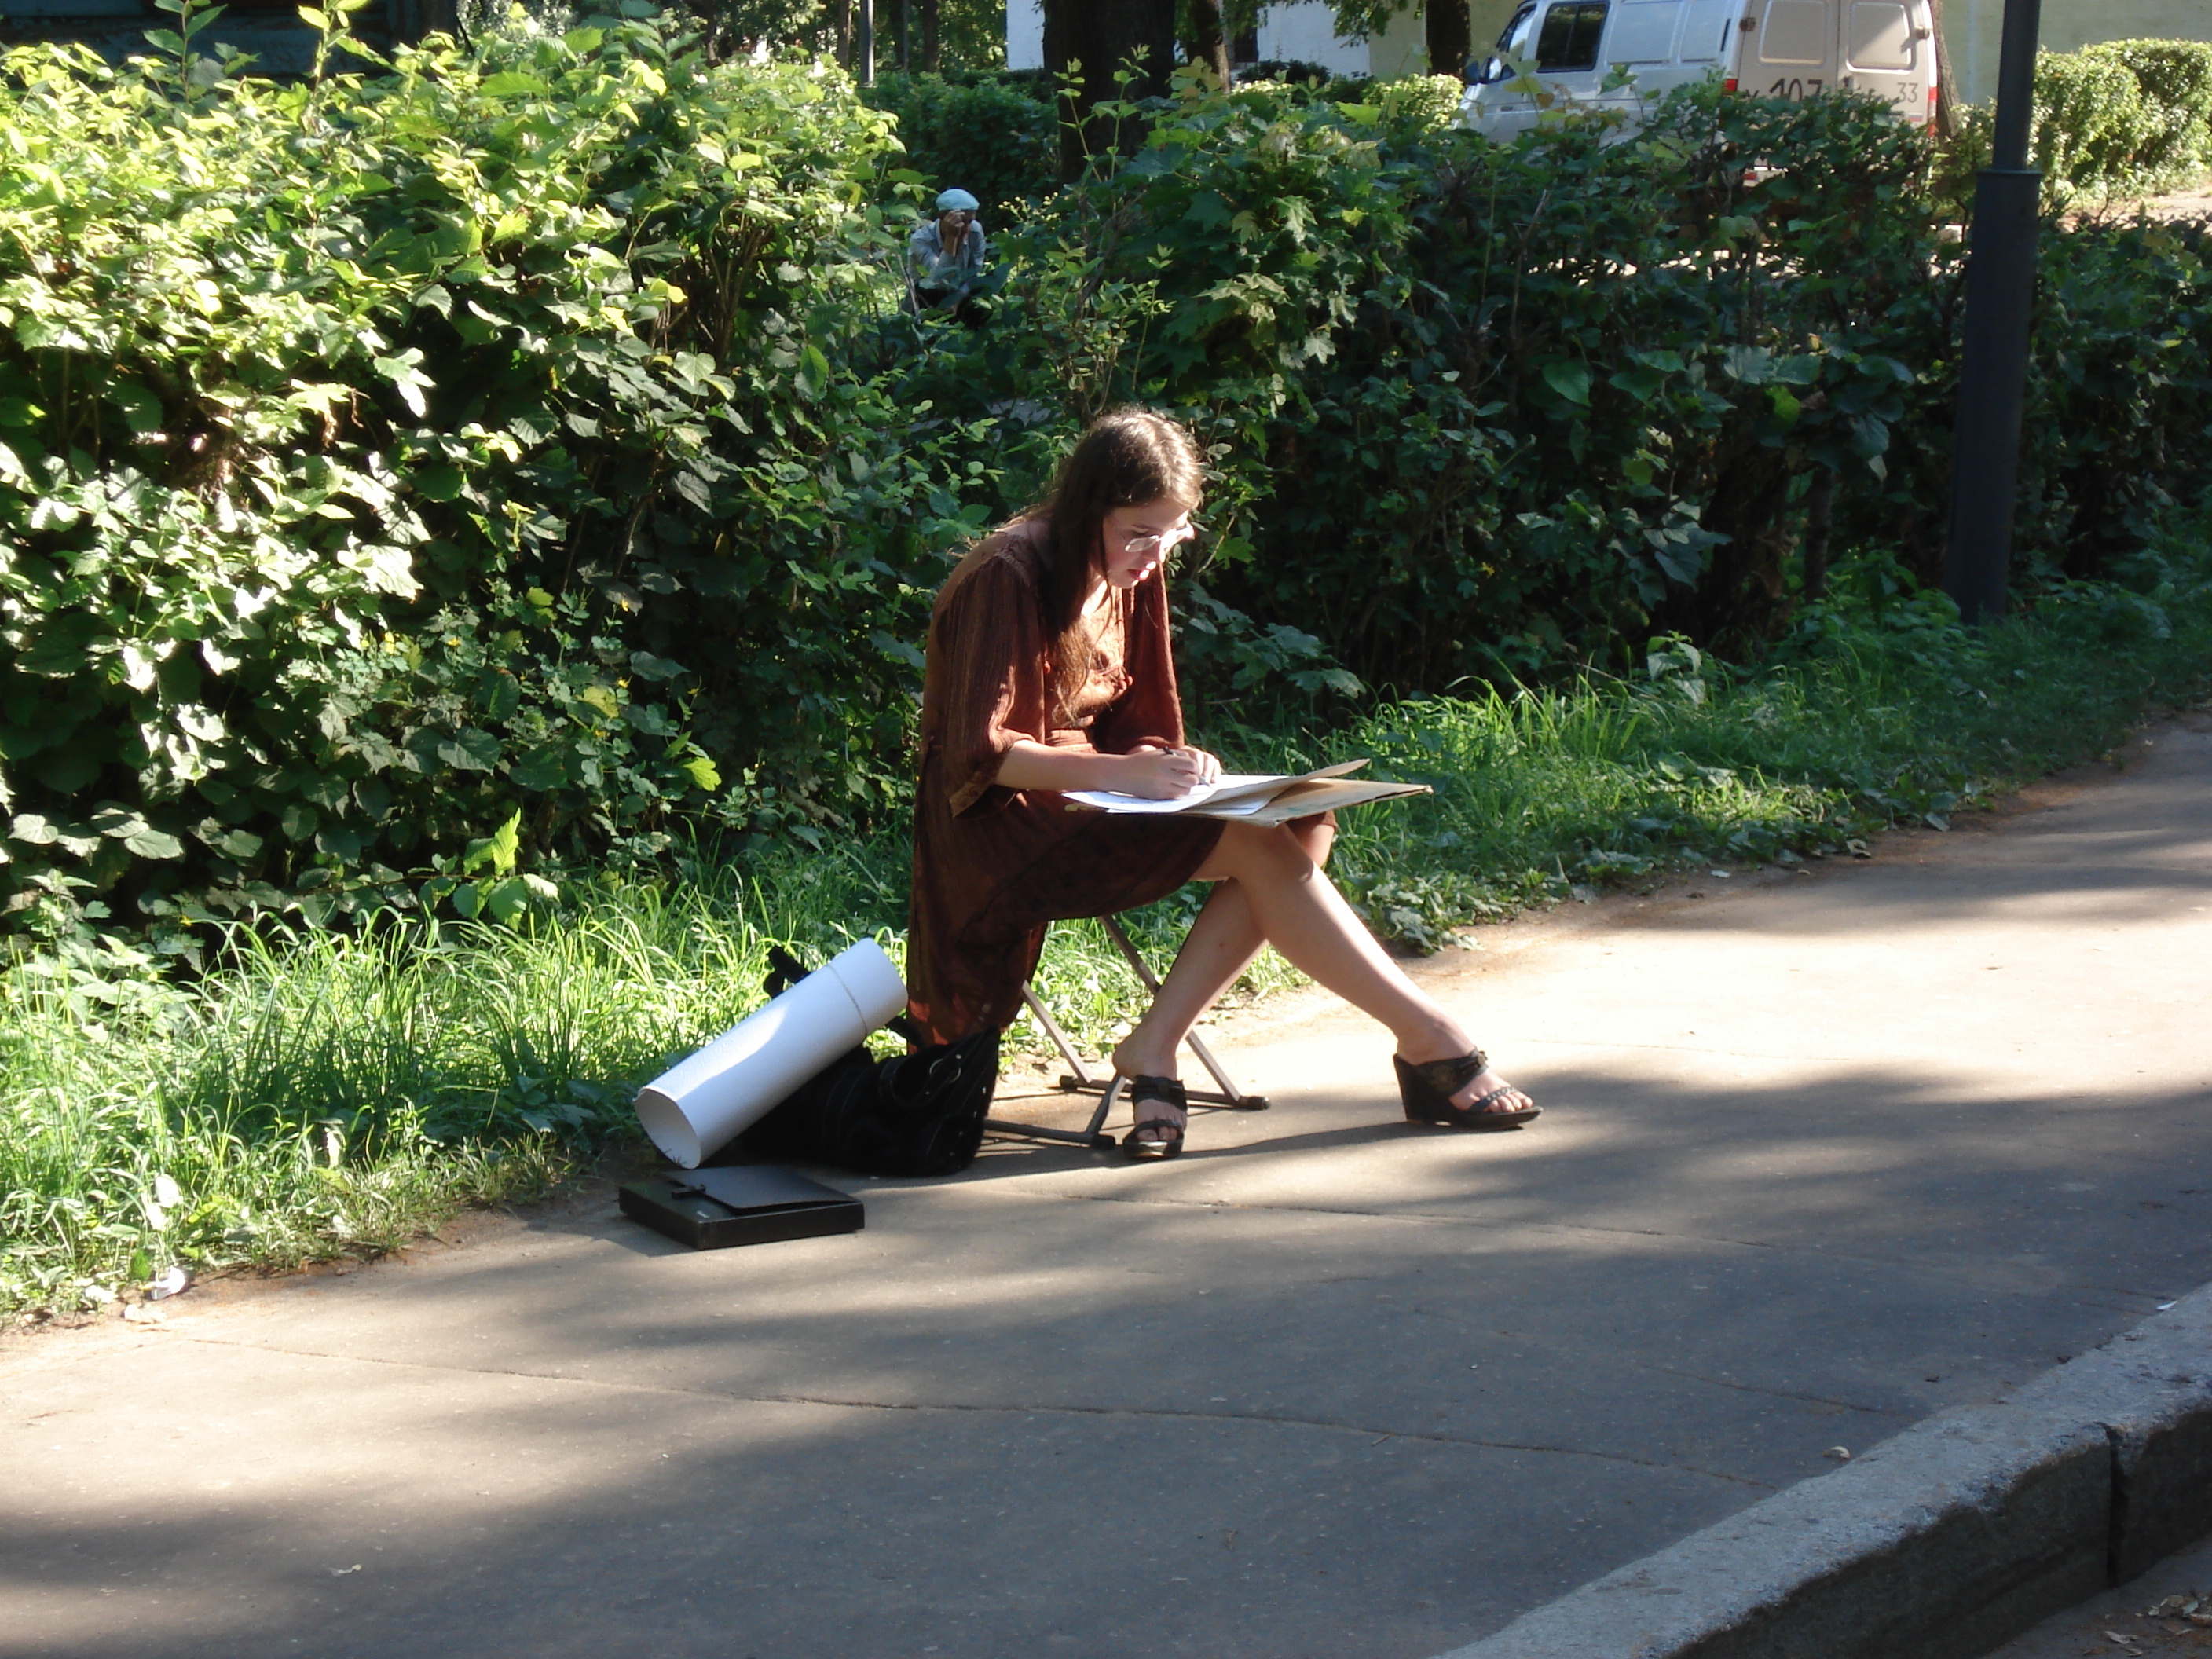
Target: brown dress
x=993, y=865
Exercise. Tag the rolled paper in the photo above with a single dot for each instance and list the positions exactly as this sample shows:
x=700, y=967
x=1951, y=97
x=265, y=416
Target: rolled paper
x=699, y=1105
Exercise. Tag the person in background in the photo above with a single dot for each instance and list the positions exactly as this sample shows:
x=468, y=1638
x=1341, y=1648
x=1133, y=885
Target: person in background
x=946, y=257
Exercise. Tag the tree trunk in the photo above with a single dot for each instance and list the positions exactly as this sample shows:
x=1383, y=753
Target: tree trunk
x=1101, y=36
x=1450, y=39
x=841, y=25
x=1207, y=44
x=1947, y=95
x=932, y=55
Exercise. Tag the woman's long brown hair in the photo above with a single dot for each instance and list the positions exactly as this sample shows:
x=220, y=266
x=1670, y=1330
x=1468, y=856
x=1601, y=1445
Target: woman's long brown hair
x=1125, y=457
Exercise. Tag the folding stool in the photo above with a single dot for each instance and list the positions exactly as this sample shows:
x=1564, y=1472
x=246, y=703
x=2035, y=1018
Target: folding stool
x=1080, y=1080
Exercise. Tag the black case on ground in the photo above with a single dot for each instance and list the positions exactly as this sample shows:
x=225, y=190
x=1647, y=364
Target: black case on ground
x=754, y=1204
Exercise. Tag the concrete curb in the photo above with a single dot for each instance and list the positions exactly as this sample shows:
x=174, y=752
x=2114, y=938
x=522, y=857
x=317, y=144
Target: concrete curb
x=1941, y=1543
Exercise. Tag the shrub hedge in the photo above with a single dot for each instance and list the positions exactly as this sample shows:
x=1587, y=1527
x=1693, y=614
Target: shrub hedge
x=992, y=136
x=2124, y=115
x=417, y=474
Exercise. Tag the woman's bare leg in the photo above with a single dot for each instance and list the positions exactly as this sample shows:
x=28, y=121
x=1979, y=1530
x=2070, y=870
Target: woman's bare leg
x=1220, y=946
x=1295, y=907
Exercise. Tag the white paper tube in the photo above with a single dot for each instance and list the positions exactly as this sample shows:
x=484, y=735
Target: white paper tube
x=698, y=1106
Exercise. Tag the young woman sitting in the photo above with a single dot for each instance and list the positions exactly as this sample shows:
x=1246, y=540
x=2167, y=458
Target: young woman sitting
x=1049, y=670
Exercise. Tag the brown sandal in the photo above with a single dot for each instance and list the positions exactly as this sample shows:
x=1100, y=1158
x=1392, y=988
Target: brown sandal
x=1162, y=1090
x=1427, y=1091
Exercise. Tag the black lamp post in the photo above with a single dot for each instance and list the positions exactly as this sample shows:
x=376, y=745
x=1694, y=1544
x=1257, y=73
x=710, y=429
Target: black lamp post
x=1999, y=298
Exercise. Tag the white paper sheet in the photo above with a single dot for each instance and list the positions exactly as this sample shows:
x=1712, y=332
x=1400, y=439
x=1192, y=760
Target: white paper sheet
x=1227, y=784
x=1233, y=794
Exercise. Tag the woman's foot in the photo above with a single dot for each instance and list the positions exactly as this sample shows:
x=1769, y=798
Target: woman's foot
x=1490, y=1092
x=1461, y=1092
x=1163, y=1112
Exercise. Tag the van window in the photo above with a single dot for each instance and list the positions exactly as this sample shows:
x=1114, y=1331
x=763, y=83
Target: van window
x=1706, y=26
x=1571, y=28
x=1882, y=35
x=1514, y=40
x=1643, y=32
x=1794, y=32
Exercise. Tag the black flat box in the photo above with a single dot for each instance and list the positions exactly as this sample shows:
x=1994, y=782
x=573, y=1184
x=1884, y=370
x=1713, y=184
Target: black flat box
x=715, y=1209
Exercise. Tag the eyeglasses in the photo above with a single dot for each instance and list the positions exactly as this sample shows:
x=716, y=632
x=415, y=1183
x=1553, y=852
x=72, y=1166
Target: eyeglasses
x=1160, y=541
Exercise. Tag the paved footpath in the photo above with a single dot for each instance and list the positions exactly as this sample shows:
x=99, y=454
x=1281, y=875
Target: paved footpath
x=1822, y=1155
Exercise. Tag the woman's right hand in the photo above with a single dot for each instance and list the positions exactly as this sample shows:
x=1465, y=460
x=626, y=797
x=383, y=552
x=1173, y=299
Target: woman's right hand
x=1164, y=773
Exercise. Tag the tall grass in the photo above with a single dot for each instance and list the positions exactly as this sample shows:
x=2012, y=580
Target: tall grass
x=317, y=1093
x=312, y=1095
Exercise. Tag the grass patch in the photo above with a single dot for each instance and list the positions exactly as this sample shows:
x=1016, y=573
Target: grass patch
x=315, y=1095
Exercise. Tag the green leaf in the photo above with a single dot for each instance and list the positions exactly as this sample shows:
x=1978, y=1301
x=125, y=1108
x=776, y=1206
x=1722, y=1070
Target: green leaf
x=141, y=409
x=1753, y=365
x=1641, y=384
x=539, y=769
x=469, y=749
x=497, y=851
x=1570, y=380
x=439, y=484
x=150, y=843
x=507, y=899
x=812, y=375
x=704, y=773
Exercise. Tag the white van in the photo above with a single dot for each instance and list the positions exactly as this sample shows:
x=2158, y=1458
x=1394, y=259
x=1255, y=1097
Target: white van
x=1773, y=48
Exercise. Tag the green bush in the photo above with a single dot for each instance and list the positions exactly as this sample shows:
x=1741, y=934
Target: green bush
x=2119, y=116
x=1420, y=104
x=2175, y=79
x=1483, y=409
x=2091, y=121
x=2123, y=115
x=996, y=141
x=391, y=460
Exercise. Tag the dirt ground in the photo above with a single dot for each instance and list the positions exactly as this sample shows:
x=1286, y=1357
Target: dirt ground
x=2195, y=202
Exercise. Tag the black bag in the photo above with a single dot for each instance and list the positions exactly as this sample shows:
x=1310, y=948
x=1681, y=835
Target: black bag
x=917, y=1114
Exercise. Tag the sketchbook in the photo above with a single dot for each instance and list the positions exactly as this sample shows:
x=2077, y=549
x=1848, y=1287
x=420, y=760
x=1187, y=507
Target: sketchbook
x=1256, y=799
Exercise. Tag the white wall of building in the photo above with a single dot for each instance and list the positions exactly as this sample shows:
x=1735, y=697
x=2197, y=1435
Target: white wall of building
x=1305, y=33
x=1024, y=34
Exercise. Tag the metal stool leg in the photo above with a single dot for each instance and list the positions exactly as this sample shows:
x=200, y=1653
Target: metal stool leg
x=1109, y=1090
x=1079, y=1079
x=1230, y=1095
